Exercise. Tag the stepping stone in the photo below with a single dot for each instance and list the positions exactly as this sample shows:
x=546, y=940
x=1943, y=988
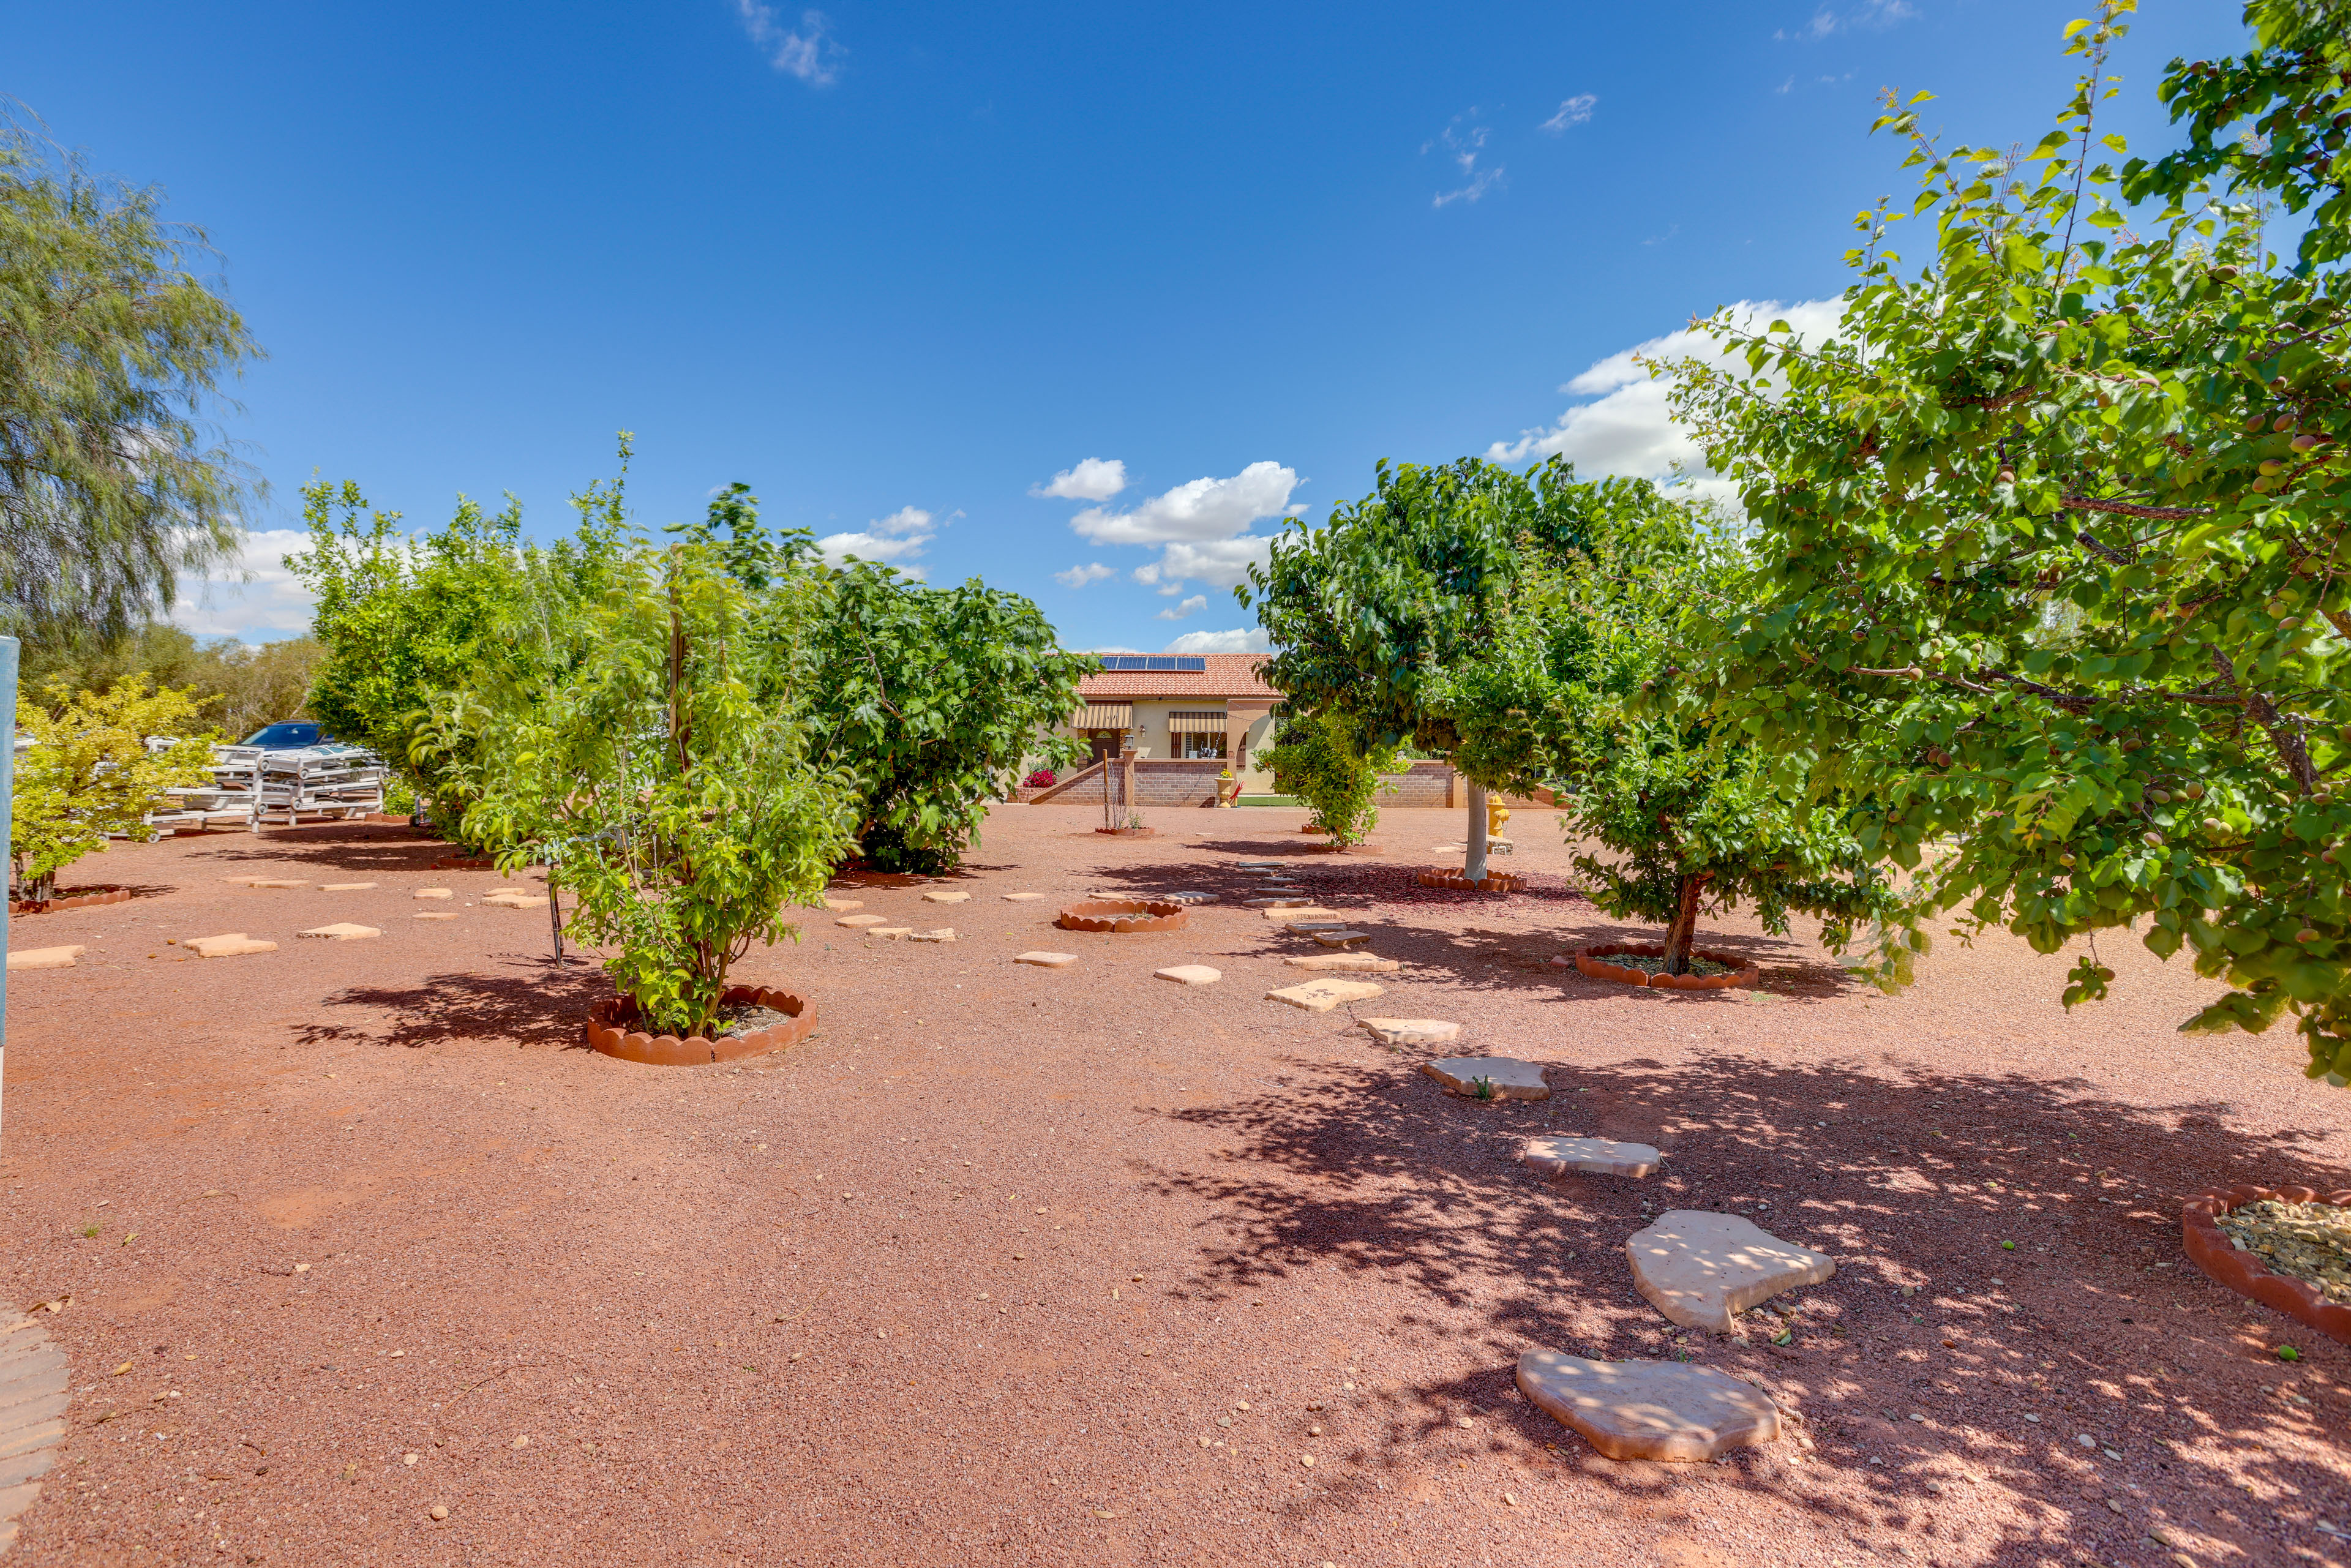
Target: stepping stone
x=1322, y=995
x=943, y=933
x=506, y=898
x=1186, y=897
x=434, y=915
x=855, y=921
x=1189, y=974
x=1021, y=897
x=1046, y=960
x=264, y=881
x=1289, y=901
x=1567, y=1155
x=1511, y=1079
x=1258, y=865
x=343, y=931
x=947, y=897
x=45, y=957
x=431, y=893
x=892, y=932
x=1288, y=912
x=345, y=886
x=1700, y=1268
x=1346, y=964
x=1308, y=927
x=1340, y=938
x=1411, y=1031
x=1648, y=1409
x=231, y=944
x=844, y=905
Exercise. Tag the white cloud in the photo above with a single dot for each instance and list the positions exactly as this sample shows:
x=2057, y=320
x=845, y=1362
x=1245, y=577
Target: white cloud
x=894, y=539
x=272, y=605
x=1240, y=640
x=809, y=52
x=1628, y=429
x=1079, y=576
x=1094, y=479
x=1870, y=15
x=1464, y=143
x=1202, y=509
x=1198, y=601
x=1221, y=563
x=1572, y=112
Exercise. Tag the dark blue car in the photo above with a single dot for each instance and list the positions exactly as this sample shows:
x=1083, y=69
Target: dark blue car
x=290, y=735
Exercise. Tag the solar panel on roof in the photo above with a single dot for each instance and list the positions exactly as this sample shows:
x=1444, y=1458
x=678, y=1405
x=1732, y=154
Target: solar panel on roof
x=1189, y=664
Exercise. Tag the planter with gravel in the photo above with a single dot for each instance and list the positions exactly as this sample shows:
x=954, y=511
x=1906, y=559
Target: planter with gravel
x=1644, y=963
x=765, y=1019
x=2287, y=1248
x=1492, y=882
x=1123, y=915
x=73, y=898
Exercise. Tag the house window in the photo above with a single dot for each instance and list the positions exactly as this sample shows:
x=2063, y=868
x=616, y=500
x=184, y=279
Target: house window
x=1196, y=735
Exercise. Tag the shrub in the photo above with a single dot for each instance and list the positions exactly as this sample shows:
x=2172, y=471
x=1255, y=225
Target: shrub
x=89, y=773
x=1322, y=760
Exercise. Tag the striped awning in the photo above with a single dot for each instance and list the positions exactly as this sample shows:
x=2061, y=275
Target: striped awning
x=1105, y=716
x=1196, y=724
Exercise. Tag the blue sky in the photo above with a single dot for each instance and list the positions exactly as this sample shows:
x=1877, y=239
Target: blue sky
x=1079, y=299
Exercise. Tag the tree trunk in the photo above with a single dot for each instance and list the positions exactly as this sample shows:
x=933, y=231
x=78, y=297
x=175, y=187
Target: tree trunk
x=1473, y=865
x=554, y=914
x=1684, y=930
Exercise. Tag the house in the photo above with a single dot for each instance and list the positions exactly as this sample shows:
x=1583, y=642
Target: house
x=1197, y=708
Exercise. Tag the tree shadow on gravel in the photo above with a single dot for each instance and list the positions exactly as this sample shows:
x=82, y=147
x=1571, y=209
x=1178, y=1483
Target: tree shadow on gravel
x=537, y=1006
x=335, y=846
x=2092, y=1320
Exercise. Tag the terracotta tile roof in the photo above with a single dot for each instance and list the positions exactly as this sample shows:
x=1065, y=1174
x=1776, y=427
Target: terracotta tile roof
x=1227, y=675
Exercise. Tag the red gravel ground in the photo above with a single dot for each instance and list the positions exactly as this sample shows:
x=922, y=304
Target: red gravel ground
x=353, y=1229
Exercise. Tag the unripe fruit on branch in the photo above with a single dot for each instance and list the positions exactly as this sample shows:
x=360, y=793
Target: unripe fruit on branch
x=2154, y=840
x=2307, y=934
x=2214, y=825
x=2194, y=791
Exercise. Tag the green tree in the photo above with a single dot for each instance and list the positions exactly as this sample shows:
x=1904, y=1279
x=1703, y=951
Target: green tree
x=931, y=698
x=89, y=773
x=2052, y=535
x=670, y=782
x=113, y=479
x=1321, y=759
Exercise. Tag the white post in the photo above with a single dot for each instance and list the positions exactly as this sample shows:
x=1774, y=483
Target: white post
x=1473, y=866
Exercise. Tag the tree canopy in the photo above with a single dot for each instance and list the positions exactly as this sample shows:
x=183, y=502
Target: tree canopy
x=2051, y=534
x=113, y=350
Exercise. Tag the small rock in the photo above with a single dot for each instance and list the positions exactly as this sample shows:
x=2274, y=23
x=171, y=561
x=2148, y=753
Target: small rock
x=858, y=921
x=1322, y=995
x=1411, y=1031
x=1511, y=1079
x=343, y=931
x=1590, y=1156
x=439, y=1510
x=1046, y=960
x=947, y=896
x=1700, y=1268
x=1648, y=1409
x=522, y=1442
x=1189, y=974
x=2086, y=1440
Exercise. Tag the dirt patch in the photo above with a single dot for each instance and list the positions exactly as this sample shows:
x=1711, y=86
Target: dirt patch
x=1242, y=1205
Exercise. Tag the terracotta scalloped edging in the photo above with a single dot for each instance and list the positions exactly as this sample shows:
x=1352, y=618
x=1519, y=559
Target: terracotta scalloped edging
x=1592, y=963
x=1492, y=882
x=606, y=1036
x=2209, y=1246
x=70, y=901
x=1124, y=915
